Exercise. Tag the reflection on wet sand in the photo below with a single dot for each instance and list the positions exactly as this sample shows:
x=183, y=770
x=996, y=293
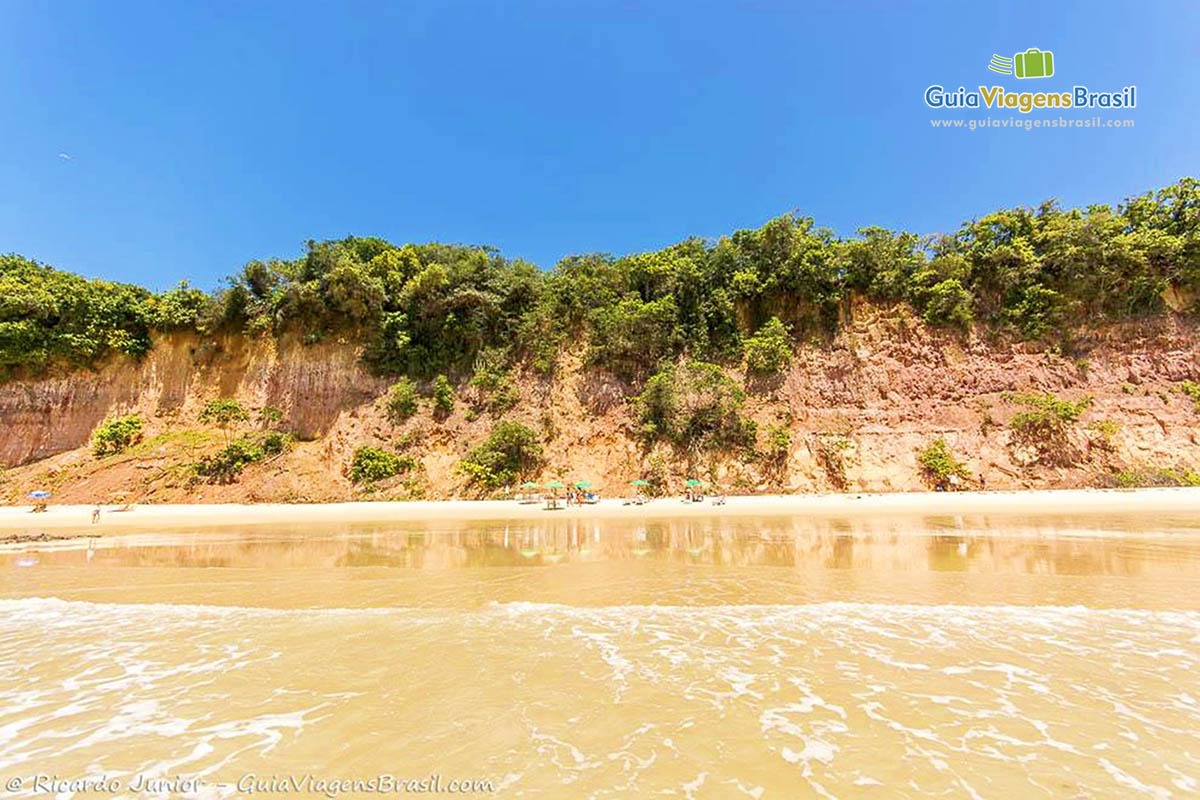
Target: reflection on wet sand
x=1124, y=562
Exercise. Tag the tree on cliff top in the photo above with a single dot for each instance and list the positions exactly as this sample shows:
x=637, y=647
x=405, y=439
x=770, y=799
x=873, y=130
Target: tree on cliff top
x=428, y=309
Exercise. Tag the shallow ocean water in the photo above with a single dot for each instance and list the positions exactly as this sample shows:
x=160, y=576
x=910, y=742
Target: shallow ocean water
x=774, y=657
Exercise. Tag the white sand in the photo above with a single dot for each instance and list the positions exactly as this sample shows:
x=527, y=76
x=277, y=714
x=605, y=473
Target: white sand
x=18, y=519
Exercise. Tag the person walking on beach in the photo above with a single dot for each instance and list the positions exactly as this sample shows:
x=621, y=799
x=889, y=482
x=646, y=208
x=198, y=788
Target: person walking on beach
x=96, y=514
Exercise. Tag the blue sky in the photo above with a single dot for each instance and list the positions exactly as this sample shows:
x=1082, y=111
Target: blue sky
x=203, y=135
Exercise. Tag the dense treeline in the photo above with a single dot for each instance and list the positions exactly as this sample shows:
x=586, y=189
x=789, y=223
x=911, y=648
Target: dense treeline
x=427, y=309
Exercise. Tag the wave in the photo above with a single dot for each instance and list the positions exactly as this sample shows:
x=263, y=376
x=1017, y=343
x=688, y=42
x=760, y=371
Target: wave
x=50, y=605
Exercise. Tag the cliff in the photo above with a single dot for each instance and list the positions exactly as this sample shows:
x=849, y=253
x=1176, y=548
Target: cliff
x=883, y=389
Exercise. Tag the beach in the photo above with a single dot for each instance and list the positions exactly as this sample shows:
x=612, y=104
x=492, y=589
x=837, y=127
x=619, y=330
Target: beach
x=15, y=520
x=983, y=644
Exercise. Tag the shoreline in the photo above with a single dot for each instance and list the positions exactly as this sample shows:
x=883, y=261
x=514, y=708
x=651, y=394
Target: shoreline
x=15, y=520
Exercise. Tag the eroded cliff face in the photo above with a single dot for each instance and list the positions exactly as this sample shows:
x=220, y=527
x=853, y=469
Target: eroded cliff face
x=883, y=390
x=312, y=385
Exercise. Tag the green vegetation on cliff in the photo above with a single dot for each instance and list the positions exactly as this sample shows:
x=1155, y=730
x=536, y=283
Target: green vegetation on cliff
x=115, y=435
x=426, y=309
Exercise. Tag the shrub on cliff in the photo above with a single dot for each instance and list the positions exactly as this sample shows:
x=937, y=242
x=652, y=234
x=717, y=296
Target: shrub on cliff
x=493, y=383
x=1192, y=390
x=115, y=435
x=769, y=350
x=938, y=462
x=510, y=452
x=225, y=413
x=401, y=401
x=777, y=449
x=1045, y=416
x=1139, y=477
x=1044, y=426
x=830, y=452
x=226, y=464
x=443, y=396
x=1103, y=433
x=695, y=406
x=372, y=464
x=946, y=303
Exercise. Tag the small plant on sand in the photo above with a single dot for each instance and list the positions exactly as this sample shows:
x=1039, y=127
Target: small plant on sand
x=939, y=463
x=401, y=401
x=116, y=434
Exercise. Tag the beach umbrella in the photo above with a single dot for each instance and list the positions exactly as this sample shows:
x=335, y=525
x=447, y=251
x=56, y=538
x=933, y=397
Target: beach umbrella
x=555, y=485
x=639, y=482
x=529, y=485
x=694, y=482
x=39, y=494
x=583, y=485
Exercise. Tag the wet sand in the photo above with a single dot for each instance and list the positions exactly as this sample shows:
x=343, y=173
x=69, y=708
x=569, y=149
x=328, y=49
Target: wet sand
x=16, y=522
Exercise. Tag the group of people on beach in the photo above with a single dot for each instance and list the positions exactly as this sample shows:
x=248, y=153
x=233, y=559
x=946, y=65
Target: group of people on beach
x=579, y=497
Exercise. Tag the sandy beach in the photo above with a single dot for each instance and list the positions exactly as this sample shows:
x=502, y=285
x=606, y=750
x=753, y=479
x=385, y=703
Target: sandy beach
x=18, y=519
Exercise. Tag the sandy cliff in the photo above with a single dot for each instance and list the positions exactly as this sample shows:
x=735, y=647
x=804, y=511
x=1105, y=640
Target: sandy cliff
x=884, y=388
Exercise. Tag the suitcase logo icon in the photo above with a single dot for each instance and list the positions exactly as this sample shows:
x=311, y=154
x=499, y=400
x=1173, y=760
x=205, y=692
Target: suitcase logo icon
x=1033, y=63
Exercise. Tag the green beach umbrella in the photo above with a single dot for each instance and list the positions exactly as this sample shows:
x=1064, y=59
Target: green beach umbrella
x=639, y=482
x=555, y=485
x=529, y=485
x=693, y=482
x=583, y=485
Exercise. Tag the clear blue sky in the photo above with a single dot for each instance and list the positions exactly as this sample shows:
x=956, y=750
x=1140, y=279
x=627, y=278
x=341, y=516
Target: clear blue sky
x=203, y=135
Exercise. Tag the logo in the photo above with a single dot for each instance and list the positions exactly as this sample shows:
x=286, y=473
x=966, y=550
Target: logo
x=1033, y=63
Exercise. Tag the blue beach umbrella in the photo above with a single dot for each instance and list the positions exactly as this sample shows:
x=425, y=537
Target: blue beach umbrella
x=39, y=494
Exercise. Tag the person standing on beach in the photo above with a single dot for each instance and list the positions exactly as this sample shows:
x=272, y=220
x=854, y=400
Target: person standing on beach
x=96, y=514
